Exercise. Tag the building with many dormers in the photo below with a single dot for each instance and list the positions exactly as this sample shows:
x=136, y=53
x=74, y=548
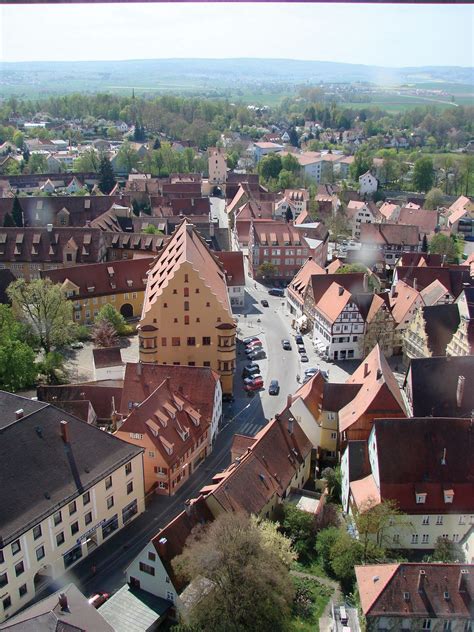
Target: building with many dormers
x=66, y=488
x=187, y=318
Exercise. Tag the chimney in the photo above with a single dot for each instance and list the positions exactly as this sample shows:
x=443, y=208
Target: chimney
x=63, y=604
x=443, y=457
x=49, y=228
x=415, y=284
x=341, y=290
x=365, y=283
x=463, y=580
x=291, y=422
x=421, y=581
x=460, y=390
x=162, y=547
x=189, y=229
x=187, y=507
x=65, y=431
x=366, y=369
x=19, y=413
x=139, y=368
x=393, y=292
x=289, y=400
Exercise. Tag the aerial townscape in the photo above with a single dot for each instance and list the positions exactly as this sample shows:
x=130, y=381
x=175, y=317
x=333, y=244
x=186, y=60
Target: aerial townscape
x=236, y=347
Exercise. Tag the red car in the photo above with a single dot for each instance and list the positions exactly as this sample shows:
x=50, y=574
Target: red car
x=253, y=384
x=98, y=599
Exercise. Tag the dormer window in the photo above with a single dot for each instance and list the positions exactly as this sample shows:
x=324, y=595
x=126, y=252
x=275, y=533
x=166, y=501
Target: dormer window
x=91, y=288
x=448, y=495
x=421, y=498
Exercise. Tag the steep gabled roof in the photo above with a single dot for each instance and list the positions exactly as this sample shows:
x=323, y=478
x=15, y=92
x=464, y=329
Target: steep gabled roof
x=379, y=390
x=186, y=246
x=300, y=281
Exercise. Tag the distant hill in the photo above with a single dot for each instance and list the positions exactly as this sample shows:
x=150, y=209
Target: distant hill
x=206, y=75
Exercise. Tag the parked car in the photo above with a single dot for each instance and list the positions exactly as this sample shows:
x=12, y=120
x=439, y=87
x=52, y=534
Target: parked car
x=254, y=384
x=276, y=291
x=252, y=350
x=299, y=340
x=286, y=344
x=304, y=357
x=98, y=599
x=252, y=343
x=247, y=341
x=301, y=349
x=258, y=354
x=264, y=303
x=274, y=388
x=251, y=369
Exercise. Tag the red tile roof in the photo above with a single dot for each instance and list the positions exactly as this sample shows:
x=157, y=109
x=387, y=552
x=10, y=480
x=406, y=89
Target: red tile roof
x=264, y=470
x=302, y=278
x=394, y=590
x=197, y=384
x=111, y=277
x=233, y=264
x=379, y=392
x=390, y=234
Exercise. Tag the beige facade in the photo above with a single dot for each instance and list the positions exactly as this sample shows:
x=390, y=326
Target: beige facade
x=48, y=549
x=186, y=317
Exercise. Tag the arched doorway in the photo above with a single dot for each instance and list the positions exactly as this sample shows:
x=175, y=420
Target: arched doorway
x=127, y=310
x=43, y=577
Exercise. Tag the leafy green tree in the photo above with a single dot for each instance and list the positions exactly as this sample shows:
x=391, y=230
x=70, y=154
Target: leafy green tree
x=349, y=268
x=248, y=585
x=17, y=365
x=42, y=306
x=17, y=212
x=286, y=179
x=88, y=162
x=467, y=170
x=267, y=270
x=290, y=163
x=127, y=157
x=447, y=551
x=270, y=166
x=17, y=358
x=19, y=139
x=37, y=164
x=372, y=522
x=106, y=176
x=362, y=163
x=8, y=220
x=151, y=229
x=52, y=368
x=111, y=315
x=13, y=168
x=445, y=245
x=333, y=478
x=434, y=198
x=294, y=140
x=423, y=174
x=300, y=528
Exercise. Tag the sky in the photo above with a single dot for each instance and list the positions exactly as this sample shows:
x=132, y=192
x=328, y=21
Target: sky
x=373, y=34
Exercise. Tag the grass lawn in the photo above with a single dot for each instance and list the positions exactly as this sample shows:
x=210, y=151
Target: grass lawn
x=312, y=567
x=317, y=596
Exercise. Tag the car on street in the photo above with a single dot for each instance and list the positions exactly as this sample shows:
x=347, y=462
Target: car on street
x=286, y=344
x=264, y=303
x=301, y=349
x=276, y=291
x=304, y=357
x=247, y=341
x=253, y=384
x=98, y=599
x=299, y=340
x=257, y=354
x=251, y=350
x=274, y=388
x=250, y=369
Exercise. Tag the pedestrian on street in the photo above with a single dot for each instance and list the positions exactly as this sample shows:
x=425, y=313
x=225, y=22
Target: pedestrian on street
x=298, y=378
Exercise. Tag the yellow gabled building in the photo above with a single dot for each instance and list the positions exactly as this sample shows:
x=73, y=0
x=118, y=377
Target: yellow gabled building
x=186, y=317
